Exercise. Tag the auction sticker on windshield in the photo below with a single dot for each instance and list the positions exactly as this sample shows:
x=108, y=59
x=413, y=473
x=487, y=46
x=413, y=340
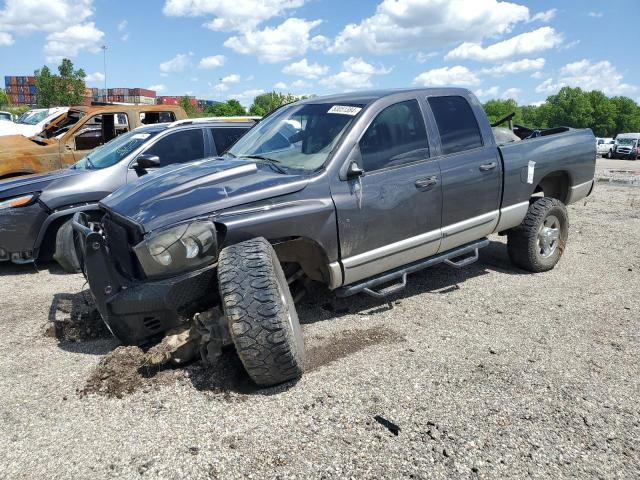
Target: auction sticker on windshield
x=344, y=110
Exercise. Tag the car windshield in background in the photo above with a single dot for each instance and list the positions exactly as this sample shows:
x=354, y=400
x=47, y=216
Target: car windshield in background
x=298, y=137
x=33, y=118
x=626, y=141
x=114, y=151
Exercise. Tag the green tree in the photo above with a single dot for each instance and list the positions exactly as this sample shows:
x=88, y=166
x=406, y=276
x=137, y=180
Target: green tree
x=187, y=105
x=66, y=88
x=498, y=109
x=267, y=102
x=4, y=99
x=230, y=108
x=627, y=115
x=570, y=107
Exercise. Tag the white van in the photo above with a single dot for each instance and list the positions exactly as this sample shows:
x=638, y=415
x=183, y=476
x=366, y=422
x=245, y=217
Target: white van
x=627, y=146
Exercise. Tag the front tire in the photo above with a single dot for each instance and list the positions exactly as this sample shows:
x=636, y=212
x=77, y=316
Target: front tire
x=65, y=252
x=537, y=243
x=262, y=317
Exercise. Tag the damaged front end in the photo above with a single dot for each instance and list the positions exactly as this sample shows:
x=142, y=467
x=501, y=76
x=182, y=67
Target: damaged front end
x=138, y=307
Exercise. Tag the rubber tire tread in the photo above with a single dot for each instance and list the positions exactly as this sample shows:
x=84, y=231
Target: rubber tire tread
x=521, y=240
x=252, y=286
x=65, y=251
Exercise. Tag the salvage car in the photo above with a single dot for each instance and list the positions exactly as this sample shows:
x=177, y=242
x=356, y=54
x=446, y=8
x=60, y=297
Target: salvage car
x=627, y=146
x=354, y=191
x=74, y=134
x=32, y=122
x=36, y=211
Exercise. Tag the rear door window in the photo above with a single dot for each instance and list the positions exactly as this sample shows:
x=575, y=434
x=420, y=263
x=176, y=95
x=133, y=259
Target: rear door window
x=179, y=147
x=101, y=129
x=224, y=137
x=395, y=137
x=456, y=123
x=149, y=118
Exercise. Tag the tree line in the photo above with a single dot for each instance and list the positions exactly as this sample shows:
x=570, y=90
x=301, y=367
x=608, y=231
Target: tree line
x=573, y=107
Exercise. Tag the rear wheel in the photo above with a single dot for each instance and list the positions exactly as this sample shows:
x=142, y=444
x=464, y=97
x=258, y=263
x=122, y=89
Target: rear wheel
x=65, y=252
x=262, y=318
x=537, y=243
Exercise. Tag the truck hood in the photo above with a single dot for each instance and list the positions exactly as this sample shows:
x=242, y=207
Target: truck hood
x=33, y=183
x=11, y=145
x=206, y=187
x=10, y=128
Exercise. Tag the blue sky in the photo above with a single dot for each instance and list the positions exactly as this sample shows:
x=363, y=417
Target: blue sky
x=220, y=49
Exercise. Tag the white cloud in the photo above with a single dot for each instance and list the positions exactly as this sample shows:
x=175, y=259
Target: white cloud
x=298, y=84
x=537, y=40
x=176, y=64
x=545, y=16
x=158, y=88
x=96, y=77
x=122, y=25
x=524, y=65
x=26, y=16
x=233, y=78
x=241, y=15
x=537, y=75
x=601, y=76
x=595, y=14
x=213, y=61
x=281, y=86
x=305, y=69
x=491, y=92
x=124, y=37
x=511, y=93
x=438, y=77
x=355, y=75
x=5, y=39
x=422, y=57
x=277, y=44
x=71, y=41
x=246, y=98
x=410, y=24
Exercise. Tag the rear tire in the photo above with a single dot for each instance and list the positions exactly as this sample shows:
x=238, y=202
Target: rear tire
x=262, y=317
x=537, y=243
x=65, y=252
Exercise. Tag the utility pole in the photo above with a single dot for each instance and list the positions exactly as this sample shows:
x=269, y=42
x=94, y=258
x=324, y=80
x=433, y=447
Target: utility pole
x=104, y=58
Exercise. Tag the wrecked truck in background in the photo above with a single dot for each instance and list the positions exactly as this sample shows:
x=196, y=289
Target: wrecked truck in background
x=354, y=191
x=73, y=135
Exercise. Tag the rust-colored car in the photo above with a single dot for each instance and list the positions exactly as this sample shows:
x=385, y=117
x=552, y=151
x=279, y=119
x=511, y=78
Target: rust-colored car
x=74, y=134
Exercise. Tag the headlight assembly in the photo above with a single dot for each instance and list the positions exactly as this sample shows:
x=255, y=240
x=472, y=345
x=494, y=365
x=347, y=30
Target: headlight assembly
x=178, y=249
x=22, y=201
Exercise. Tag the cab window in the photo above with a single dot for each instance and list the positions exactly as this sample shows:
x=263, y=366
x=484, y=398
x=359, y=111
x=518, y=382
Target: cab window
x=224, y=137
x=149, y=118
x=456, y=124
x=100, y=129
x=395, y=137
x=179, y=147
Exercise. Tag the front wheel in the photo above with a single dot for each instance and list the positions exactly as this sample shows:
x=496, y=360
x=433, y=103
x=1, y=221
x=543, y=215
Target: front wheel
x=260, y=311
x=537, y=243
x=65, y=252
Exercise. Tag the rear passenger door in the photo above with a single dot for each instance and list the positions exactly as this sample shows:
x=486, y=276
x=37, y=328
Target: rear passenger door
x=471, y=173
x=389, y=215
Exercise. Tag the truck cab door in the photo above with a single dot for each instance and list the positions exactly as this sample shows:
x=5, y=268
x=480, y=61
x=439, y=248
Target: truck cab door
x=471, y=171
x=388, y=207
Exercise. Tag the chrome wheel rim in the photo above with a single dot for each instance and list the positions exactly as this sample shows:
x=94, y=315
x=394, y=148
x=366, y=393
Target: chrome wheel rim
x=548, y=236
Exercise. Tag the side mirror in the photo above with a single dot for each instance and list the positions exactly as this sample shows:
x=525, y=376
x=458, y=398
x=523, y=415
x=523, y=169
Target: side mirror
x=146, y=160
x=354, y=171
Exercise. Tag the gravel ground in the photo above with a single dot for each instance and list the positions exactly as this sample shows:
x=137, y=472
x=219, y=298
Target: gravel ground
x=485, y=372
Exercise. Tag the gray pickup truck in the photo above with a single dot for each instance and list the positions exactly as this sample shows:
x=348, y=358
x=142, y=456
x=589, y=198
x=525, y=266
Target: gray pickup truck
x=355, y=191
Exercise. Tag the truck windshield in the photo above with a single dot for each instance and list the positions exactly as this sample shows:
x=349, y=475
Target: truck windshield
x=114, y=151
x=626, y=141
x=33, y=117
x=297, y=137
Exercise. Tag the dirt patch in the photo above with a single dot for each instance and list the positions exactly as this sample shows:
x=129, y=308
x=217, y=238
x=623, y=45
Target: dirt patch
x=124, y=371
x=347, y=343
x=73, y=317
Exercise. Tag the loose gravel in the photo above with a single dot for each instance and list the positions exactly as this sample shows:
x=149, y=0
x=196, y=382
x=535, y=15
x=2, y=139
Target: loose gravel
x=485, y=372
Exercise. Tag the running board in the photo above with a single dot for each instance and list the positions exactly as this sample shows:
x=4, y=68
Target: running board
x=449, y=258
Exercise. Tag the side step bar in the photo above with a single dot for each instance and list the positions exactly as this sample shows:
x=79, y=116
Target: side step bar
x=449, y=258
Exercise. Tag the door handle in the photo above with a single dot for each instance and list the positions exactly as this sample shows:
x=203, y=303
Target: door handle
x=426, y=182
x=485, y=167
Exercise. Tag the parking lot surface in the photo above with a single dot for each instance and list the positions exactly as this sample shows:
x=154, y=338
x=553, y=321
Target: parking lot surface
x=486, y=372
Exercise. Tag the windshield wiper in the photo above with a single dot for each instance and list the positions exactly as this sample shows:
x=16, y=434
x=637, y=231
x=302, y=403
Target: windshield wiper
x=270, y=161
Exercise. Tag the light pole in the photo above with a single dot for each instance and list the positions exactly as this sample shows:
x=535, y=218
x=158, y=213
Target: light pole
x=104, y=58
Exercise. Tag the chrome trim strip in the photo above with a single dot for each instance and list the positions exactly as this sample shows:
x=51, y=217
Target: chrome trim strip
x=468, y=224
x=468, y=230
x=580, y=191
x=512, y=216
x=392, y=249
